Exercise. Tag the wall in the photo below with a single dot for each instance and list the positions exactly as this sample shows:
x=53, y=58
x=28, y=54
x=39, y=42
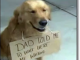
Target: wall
x=64, y=3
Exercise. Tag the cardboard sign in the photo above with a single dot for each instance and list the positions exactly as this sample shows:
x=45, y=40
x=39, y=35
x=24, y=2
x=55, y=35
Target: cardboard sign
x=35, y=47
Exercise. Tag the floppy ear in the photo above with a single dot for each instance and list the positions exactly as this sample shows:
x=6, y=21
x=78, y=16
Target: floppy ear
x=14, y=21
x=12, y=25
x=17, y=14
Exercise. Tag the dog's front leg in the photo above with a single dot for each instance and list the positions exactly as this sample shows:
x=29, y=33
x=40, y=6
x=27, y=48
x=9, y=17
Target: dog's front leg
x=40, y=58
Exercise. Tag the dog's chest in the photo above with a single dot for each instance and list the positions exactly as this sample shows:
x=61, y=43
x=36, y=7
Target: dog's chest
x=18, y=35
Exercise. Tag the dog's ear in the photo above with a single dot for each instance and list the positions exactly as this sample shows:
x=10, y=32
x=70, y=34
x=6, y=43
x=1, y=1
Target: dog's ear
x=17, y=15
x=14, y=21
x=16, y=12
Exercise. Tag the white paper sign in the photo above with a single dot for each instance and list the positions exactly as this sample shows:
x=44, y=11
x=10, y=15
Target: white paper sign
x=35, y=47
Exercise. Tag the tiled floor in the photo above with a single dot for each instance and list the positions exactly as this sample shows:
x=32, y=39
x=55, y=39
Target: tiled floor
x=66, y=24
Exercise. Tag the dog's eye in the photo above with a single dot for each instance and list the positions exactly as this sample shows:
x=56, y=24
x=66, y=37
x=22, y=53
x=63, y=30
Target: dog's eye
x=33, y=11
x=44, y=10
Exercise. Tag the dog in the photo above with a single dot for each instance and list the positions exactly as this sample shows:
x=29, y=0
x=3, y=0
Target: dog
x=29, y=19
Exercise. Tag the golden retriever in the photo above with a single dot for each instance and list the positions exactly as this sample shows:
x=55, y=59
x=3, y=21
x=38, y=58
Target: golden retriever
x=30, y=19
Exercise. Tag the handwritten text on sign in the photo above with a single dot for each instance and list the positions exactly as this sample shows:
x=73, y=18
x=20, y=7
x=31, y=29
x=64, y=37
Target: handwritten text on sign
x=35, y=47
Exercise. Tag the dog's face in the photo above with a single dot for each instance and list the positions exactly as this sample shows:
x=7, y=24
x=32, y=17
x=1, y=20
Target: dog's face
x=34, y=12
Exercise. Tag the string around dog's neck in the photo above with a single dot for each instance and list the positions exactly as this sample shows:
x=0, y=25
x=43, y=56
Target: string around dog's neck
x=24, y=39
x=22, y=36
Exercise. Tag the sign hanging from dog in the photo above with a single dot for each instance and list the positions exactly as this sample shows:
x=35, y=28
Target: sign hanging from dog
x=35, y=47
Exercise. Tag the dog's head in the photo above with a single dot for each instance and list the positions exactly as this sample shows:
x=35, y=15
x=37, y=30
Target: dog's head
x=34, y=12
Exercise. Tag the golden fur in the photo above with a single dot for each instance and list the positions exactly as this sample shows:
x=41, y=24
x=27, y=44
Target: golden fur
x=20, y=23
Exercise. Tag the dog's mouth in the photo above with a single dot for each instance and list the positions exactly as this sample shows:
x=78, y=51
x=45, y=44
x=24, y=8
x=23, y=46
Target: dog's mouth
x=39, y=29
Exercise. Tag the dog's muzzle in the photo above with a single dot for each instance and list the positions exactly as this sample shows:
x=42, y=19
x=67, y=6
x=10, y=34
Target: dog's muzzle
x=43, y=23
x=41, y=29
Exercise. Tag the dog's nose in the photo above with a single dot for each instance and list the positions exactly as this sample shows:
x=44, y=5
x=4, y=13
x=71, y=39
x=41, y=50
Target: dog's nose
x=43, y=22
